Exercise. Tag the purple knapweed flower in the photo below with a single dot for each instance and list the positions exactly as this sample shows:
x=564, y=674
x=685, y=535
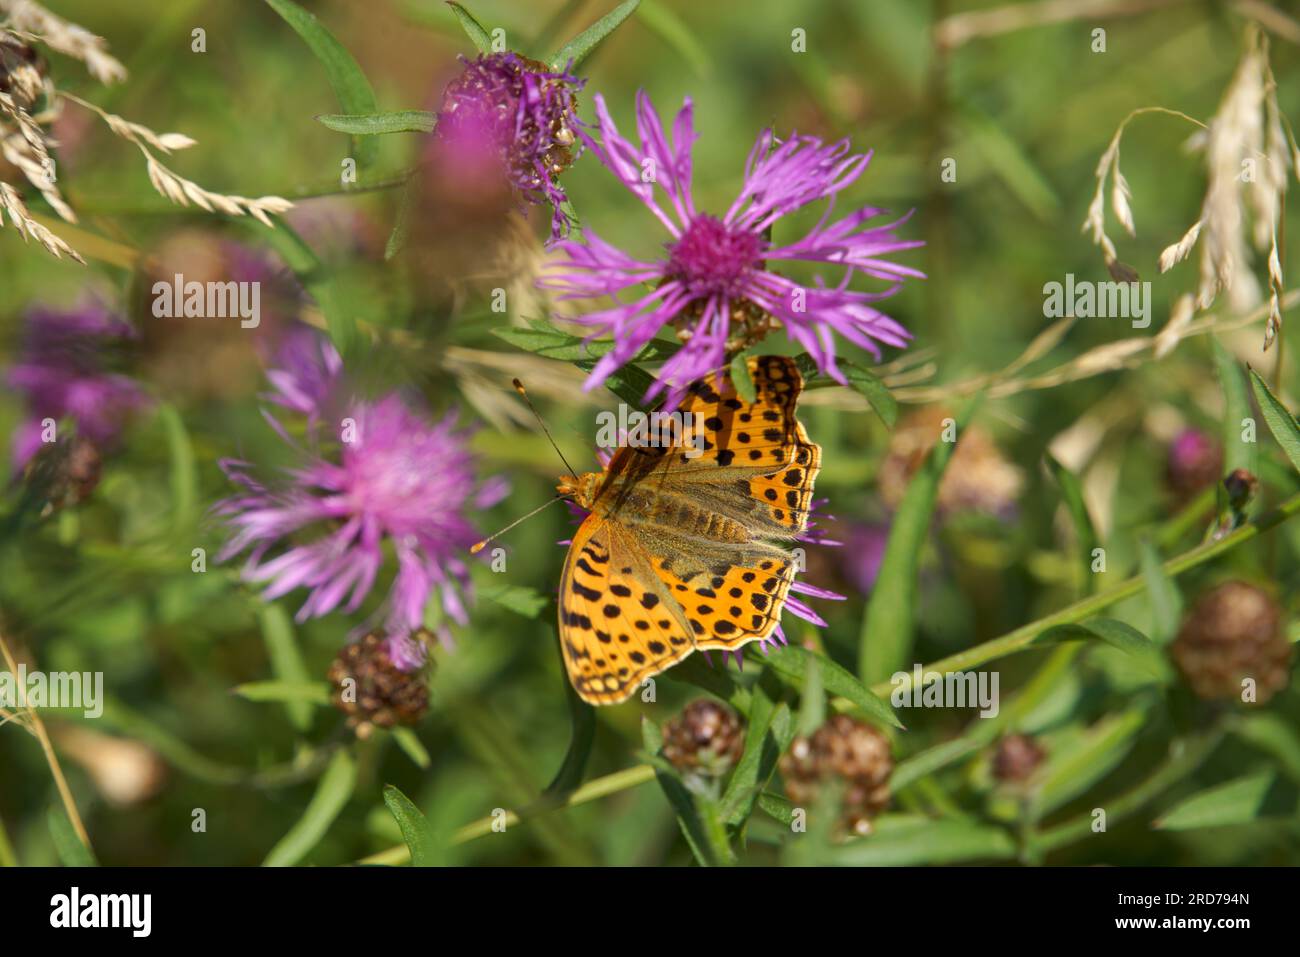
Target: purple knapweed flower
x=61, y=372
x=514, y=114
x=714, y=283
x=393, y=482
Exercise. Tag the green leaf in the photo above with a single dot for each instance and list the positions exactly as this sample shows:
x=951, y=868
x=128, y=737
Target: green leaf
x=1078, y=764
x=66, y=842
x=679, y=798
x=1166, y=602
x=630, y=383
x=906, y=840
x=350, y=85
x=473, y=29
x=412, y=747
x=375, y=124
x=1275, y=736
x=716, y=681
x=779, y=807
x=1085, y=535
x=286, y=660
x=332, y=794
x=793, y=662
x=1280, y=422
x=885, y=642
x=742, y=380
x=580, y=47
x=296, y=692
x=1236, y=405
x=414, y=825
x=758, y=760
x=1116, y=634
x=302, y=260
x=402, y=225
x=665, y=22
x=1250, y=798
x=860, y=379
x=184, y=476
x=520, y=599
x=812, y=702
x=543, y=338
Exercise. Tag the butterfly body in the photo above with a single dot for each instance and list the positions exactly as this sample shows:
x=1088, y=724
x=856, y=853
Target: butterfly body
x=687, y=548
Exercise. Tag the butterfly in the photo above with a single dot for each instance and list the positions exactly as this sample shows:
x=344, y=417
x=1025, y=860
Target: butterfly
x=686, y=545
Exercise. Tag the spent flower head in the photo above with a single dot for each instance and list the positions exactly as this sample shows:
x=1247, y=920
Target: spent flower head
x=517, y=116
x=714, y=284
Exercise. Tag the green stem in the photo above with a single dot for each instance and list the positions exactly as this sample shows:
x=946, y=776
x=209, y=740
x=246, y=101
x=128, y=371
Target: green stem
x=1085, y=608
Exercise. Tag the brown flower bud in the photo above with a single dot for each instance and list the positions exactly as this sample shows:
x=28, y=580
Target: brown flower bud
x=374, y=692
x=1016, y=758
x=1233, y=633
x=706, y=738
x=849, y=751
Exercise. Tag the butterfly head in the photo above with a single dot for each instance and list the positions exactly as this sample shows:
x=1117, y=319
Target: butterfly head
x=581, y=489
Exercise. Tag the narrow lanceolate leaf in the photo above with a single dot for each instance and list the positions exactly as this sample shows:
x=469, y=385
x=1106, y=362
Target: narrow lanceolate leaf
x=473, y=29
x=374, y=124
x=679, y=798
x=351, y=88
x=741, y=378
x=284, y=692
x=72, y=853
x=664, y=21
x=520, y=599
x=1237, y=453
x=1085, y=534
x=902, y=841
x=1162, y=593
x=1251, y=798
x=581, y=46
x=860, y=379
x=1280, y=422
x=544, y=338
x=1145, y=653
x=885, y=644
x=332, y=793
x=286, y=661
x=414, y=826
x=184, y=476
x=793, y=661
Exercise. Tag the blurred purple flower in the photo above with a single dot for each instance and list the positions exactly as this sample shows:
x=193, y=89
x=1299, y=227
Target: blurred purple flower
x=864, y=554
x=516, y=115
x=61, y=372
x=716, y=266
x=396, y=481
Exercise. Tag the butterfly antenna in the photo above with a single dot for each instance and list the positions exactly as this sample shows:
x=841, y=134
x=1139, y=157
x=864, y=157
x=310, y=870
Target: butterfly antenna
x=519, y=387
x=495, y=535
